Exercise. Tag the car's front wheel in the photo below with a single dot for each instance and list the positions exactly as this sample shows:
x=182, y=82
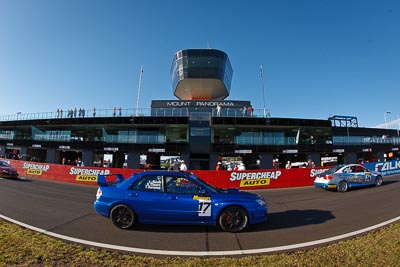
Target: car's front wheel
x=123, y=216
x=233, y=219
x=378, y=180
x=343, y=186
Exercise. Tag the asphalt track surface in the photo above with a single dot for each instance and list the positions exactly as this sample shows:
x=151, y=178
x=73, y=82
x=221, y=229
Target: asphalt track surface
x=302, y=217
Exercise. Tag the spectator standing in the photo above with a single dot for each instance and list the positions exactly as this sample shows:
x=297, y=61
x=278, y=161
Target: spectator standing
x=258, y=164
x=94, y=111
x=244, y=111
x=275, y=163
x=241, y=167
x=218, y=168
x=310, y=164
x=236, y=168
x=79, y=162
x=251, y=110
x=218, y=110
x=229, y=168
x=183, y=166
x=288, y=165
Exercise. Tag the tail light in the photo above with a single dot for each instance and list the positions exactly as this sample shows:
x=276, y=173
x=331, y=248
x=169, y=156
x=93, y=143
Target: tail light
x=98, y=194
x=328, y=177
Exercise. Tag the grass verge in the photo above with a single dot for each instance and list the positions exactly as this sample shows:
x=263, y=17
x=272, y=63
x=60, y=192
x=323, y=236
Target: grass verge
x=22, y=247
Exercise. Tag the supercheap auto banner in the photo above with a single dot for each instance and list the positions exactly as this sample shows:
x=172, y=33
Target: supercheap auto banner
x=247, y=180
x=64, y=173
x=390, y=167
x=261, y=179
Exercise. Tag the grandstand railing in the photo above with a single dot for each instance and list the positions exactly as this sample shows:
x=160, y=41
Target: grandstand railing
x=126, y=112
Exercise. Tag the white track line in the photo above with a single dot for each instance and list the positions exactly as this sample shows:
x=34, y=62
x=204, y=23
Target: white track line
x=202, y=253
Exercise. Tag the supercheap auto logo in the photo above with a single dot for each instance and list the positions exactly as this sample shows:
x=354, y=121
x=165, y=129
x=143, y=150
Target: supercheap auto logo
x=35, y=169
x=254, y=178
x=87, y=175
x=315, y=172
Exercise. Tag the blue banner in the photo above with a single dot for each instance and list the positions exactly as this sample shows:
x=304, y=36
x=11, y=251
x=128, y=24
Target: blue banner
x=385, y=168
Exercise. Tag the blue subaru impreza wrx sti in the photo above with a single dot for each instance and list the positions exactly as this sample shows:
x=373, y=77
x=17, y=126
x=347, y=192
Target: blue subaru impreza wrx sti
x=168, y=197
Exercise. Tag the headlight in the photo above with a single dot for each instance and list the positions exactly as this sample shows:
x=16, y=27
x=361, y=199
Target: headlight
x=260, y=201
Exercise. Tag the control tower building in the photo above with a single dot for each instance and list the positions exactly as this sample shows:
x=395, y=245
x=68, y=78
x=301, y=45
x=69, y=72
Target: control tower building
x=201, y=74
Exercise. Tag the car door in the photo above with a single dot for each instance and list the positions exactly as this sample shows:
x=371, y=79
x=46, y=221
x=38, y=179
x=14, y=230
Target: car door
x=169, y=199
x=357, y=175
x=368, y=179
x=146, y=197
x=185, y=200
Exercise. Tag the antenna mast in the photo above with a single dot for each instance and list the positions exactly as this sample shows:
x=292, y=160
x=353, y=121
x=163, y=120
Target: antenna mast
x=138, y=93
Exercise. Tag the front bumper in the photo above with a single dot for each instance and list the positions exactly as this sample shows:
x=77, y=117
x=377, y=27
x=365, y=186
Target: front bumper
x=259, y=215
x=9, y=175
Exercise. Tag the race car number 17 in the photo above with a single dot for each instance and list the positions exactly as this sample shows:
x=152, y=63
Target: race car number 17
x=204, y=207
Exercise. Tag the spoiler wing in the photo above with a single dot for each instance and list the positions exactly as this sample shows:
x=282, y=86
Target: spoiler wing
x=102, y=179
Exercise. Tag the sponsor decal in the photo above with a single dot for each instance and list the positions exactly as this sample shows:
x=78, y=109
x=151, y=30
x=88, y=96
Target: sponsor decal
x=87, y=175
x=33, y=166
x=257, y=182
x=91, y=172
x=34, y=172
x=331, y=186
x=86, y=178
x=35, y=169
x=387, y=166
x=196, y=197
x=154, y=184
x=239, y=176
x=254, y=178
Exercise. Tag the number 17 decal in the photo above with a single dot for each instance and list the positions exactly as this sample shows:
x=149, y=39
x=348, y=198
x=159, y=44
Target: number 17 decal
x=204, y=207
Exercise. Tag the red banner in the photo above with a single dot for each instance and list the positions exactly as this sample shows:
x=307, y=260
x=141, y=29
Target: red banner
x=247, y=180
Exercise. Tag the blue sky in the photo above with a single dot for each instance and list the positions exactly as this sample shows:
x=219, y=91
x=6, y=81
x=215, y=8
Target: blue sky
x=319, y=57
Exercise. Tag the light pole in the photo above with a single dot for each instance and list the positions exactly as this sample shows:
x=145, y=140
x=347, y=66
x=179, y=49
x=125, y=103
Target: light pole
x=398, y=125
x=263, y=90
x=384, y=114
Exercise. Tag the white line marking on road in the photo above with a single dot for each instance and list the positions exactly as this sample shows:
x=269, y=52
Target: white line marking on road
x=202, y=253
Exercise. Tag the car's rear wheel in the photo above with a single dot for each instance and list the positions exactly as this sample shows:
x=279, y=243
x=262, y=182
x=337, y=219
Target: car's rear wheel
x=343, y=186
x=123, y=216
x=233, y=219
x=378, y=180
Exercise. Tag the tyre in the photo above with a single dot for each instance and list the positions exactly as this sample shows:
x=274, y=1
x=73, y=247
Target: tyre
x=233, y=219
x=123, y=216
x=343, y=186
x=378, y=180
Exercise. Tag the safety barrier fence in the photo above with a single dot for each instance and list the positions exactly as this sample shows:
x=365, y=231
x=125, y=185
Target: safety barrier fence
x=246, y=180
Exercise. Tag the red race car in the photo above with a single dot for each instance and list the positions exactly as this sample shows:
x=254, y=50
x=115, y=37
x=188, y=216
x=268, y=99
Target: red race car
x=7, y=171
